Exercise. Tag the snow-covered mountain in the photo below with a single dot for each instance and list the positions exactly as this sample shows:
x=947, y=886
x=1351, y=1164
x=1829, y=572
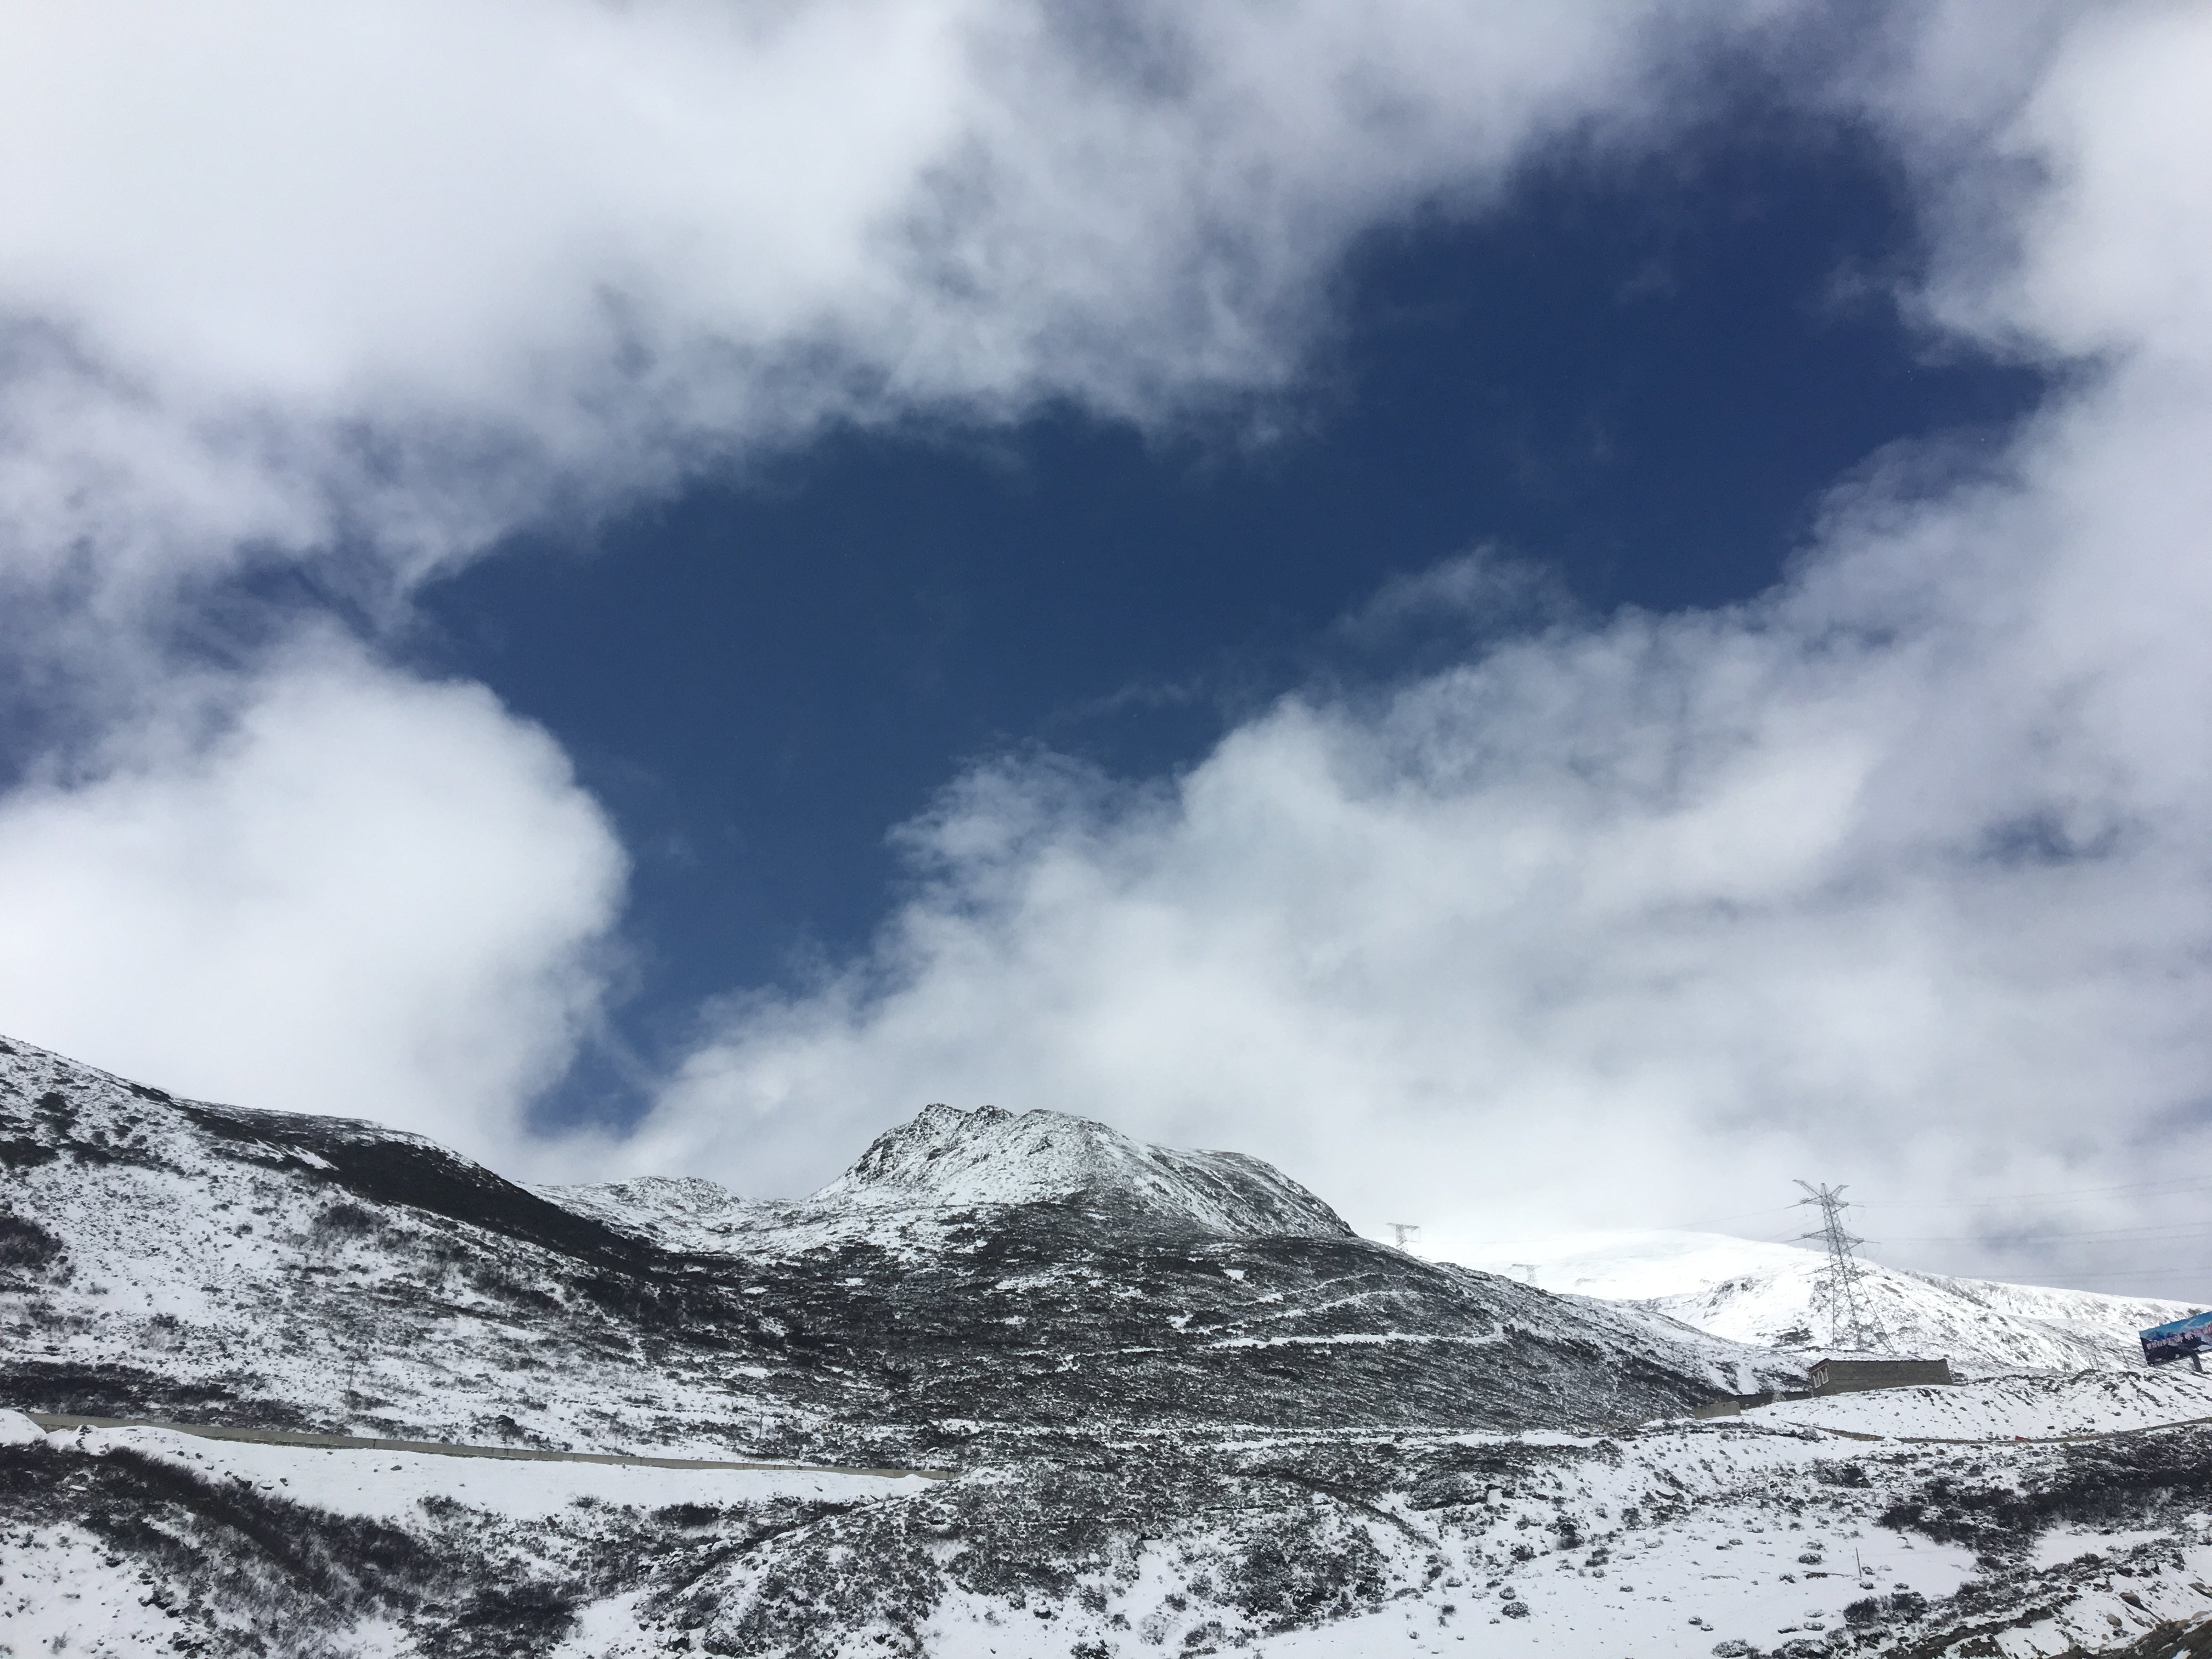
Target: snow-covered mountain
x=947, y=1158
x=1189, y=1413
x=1775, y=1295
x=946, y=1165
x=1026, y=1273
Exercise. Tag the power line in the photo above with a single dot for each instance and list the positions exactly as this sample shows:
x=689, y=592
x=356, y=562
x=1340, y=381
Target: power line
x=2132, y=1275
x=1844, y=1270
x=2175, y=1186
x=2156, y=1188
x=2138, y=1271
x=1998, y=1238
x=1848, y=1315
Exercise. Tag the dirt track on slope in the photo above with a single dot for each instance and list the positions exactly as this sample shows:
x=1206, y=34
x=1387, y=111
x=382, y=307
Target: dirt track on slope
x=52, y=1422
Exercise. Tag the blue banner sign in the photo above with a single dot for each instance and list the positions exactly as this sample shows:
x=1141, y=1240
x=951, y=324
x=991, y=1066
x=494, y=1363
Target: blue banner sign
x=2164, y=1344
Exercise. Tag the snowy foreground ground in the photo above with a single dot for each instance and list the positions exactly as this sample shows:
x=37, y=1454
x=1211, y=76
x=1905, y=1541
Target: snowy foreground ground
x=1814, y=1527
x=67, y=1589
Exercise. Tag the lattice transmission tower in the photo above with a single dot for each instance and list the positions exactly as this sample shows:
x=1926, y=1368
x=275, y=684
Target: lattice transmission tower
x=1850, y=1324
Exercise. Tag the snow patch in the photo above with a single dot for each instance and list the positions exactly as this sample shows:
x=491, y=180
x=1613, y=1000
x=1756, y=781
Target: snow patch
x=17, y=1429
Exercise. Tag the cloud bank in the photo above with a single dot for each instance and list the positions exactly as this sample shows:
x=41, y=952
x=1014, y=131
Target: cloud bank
x=359, y=290
x=371, y=285
x=333, y=888
x=300, y=308
x=1898, y=875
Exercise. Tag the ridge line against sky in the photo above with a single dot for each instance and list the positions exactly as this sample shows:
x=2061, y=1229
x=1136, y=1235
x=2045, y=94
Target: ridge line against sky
x=1889, y=868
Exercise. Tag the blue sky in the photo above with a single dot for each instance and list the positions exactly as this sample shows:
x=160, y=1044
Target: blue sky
x=1640, y=377
x=1550, y=617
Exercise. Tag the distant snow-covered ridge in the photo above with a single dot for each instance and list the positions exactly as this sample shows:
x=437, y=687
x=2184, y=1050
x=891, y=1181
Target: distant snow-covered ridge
x=946, y=1156
x=1775, y=1295
x=677, y=1212
x=950, y=1159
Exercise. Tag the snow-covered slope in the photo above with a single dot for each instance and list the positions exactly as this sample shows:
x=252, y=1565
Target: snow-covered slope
x=1777, y=1295
x=2034, y=1406
x=948, y=1165
x=677, y=1212
x=946, y=1158
x=1754, y=1539
x=178, y=1259
x=1193, y=1415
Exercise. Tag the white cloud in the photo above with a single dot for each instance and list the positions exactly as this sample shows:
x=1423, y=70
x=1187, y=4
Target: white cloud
x=365, y=286
x=330, y=888
x=1897, y=876
x=2061, y=157
x=376, y=283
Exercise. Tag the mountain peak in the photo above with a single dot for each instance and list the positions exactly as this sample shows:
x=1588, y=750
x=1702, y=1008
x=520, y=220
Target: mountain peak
x=955, y=1157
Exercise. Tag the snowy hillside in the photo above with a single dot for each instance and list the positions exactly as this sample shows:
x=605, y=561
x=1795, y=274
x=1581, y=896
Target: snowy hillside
x=178, y=1259
x=1777, y=1295
x=1185, y=1412
x=947, y=1164
x=950, y=1158
x=677, y=1212
x=2037, y=1406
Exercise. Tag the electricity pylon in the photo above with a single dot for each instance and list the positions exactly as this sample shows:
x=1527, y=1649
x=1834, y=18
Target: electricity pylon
x=1849, y=1327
